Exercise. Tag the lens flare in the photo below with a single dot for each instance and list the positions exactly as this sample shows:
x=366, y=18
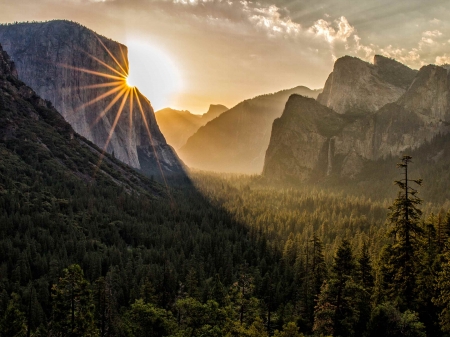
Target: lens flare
x=121, y=88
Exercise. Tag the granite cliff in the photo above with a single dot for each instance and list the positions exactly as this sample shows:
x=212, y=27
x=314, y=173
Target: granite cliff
x=236, y=141
x=299, y=150
x=61, y=61
x=38, y=148
x=178, y=125
x=358, y=87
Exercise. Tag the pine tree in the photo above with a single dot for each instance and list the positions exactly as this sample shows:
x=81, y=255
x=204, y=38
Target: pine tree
x=404, y=219
x=73, y=308
x=442, y=300
x=366, y=281
x=337, y=309
x=13, y=322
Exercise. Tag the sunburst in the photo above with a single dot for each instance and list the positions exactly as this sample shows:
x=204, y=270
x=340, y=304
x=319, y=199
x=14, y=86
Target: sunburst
x=120, y=89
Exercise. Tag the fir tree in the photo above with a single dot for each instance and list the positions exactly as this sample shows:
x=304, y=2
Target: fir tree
x=337, y=309
x=73, y=308
x=404, y=219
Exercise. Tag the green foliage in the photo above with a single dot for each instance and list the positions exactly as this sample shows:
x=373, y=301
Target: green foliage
x=442, y=299
x=289, y=330
x=72, y=304
x=12, y=322
x=404, y=220
x=388, y=321
x=145, y=319
x=337, y=310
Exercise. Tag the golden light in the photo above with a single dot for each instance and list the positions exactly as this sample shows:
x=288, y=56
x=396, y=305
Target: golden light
x=153, y=71
x=123, y=87
x=129, y=81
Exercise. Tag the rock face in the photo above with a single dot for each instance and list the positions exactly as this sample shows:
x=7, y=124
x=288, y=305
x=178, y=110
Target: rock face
x=236, y=141
x=177, y=126
x=298, y=149
x=358, y=87
x=302, y=140
x=71, y=66
x=34, y=137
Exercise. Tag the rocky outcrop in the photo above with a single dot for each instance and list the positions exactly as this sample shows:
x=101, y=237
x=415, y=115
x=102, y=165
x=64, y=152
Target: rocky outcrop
x=302, y=140
x=36, y=142
x=178, y=125
x=214, y=111
x=237, y=140
x=62, y=61
x=299, y=151
x=357, y=87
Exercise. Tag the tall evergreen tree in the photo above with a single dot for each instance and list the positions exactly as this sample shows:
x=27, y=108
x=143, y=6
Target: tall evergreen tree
x=442, y=300
x=337, y=309
x=366, y=281
x=73, y=308
x=13, y=322
x=405, y=230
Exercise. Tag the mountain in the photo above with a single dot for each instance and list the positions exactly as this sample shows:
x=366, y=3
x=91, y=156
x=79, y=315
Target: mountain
x=76, y=69
x=301, y=140
x=177, y=126
x=236, y=141
x=358, y=87
x=38, y=145
x=300, y=150
x=214, y=111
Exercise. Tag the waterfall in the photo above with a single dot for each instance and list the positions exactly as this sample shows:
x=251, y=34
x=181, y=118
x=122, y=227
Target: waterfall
x=330, y=166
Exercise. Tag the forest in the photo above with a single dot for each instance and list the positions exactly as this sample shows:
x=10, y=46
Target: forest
x=217, y=255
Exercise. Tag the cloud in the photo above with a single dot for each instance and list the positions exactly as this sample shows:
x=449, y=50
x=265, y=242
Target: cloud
x=270, y=19
x=433, y=33
x=341, y=32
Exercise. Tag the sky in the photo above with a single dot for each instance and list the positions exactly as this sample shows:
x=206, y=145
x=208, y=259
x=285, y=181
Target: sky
x=187, y=54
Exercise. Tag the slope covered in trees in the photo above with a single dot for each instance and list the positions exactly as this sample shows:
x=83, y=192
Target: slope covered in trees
x=90, y=249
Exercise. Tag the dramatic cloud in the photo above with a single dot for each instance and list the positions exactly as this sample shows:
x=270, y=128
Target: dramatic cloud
x=229, y=50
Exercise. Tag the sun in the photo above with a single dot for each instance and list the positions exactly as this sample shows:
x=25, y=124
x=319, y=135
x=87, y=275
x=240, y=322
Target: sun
x=154, y=72
x=129, y=82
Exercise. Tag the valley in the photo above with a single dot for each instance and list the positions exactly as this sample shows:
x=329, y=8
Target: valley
x=303, y=212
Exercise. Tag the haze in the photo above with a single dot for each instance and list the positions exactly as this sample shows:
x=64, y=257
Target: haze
x=226, y=51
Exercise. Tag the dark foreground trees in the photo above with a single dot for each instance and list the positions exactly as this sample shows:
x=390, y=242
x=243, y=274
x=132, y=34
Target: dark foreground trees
x=274, y=263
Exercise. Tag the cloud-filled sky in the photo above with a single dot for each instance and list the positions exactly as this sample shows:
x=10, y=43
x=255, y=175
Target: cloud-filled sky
x=224, y=51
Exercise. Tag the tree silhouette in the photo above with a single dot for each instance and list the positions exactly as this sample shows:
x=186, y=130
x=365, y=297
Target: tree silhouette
x=404, y=219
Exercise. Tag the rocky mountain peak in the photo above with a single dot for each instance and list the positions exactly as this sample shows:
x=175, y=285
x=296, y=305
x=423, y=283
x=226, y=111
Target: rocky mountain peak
x=357, y=87
x=61, y=61
x=214, y=111
x=394, y=72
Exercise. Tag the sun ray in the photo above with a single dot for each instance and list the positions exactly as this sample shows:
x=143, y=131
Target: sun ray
x=93, y=86
x=102, y=96
x=113, y=127
x=110, y=105
x=127, y=93
x=92, y=72
x=125, y=60
x=131, y=110
x=108, y=66
x=101, y=85
x=110, y=54
x=152, y=144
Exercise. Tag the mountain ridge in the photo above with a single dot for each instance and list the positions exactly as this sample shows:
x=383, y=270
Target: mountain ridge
x=416, y=117
x=73, y=73
x=236, y=141
x=178, y=125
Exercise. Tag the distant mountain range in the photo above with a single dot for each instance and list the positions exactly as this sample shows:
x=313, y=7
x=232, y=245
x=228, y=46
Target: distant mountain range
x=236, y=141
x=75, y=68
x=367, y=113
x=178, y=125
